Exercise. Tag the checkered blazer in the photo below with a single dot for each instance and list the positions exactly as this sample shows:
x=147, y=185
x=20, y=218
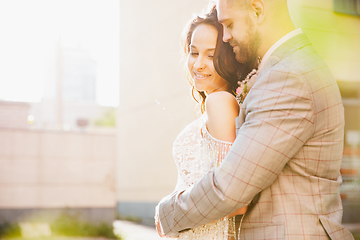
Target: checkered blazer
x=287, y=152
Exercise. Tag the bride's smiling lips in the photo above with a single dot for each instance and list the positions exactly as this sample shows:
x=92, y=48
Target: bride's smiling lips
x=201, y=76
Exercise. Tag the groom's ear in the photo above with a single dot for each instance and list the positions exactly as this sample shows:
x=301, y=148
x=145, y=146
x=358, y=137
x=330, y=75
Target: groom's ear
x=258, y=10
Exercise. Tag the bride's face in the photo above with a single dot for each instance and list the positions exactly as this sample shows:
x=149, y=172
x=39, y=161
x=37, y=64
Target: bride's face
x=200, y=60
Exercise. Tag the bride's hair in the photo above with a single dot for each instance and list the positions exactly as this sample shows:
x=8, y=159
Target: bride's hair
x=225, y=62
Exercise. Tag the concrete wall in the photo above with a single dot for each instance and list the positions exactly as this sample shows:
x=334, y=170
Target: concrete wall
x=14, y=115
x=155, y=102
x=56, y=170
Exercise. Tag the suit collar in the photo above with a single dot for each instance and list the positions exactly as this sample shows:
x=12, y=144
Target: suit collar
x=279, y=43
x=288, y=47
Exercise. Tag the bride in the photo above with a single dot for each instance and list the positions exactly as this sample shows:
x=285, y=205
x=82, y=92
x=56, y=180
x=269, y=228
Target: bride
x=214, y=74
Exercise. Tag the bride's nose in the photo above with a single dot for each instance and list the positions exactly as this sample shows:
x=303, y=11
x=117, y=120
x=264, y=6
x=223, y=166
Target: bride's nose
x=199, y=63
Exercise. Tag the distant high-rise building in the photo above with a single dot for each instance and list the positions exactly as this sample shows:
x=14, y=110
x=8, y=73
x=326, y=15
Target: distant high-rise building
x=78, y=75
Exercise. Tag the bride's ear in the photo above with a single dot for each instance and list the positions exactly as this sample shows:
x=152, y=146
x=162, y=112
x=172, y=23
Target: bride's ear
x=258, y=10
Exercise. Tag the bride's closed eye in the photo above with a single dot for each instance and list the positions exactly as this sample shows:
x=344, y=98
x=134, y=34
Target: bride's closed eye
x=210, y=53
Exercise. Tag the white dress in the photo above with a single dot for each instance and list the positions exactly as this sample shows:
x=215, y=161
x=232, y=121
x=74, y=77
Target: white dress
x=196, y=153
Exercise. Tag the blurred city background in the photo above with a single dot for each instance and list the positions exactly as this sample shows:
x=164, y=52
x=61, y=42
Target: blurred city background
x=93, y=94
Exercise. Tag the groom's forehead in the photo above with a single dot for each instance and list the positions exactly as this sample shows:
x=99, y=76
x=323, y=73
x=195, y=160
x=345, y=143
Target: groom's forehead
x=227, y=7
x=235, y=3
x=223, y=7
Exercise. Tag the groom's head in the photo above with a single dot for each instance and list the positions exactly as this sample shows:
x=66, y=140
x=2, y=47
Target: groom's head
x=253, y=26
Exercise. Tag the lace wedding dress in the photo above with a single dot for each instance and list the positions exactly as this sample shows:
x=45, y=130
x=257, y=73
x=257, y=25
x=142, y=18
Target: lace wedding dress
x=196, y=153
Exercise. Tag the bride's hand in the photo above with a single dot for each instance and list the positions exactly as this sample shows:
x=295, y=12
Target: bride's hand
x=240, y=211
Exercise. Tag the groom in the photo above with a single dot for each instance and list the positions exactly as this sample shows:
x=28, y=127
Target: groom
x=289, y=141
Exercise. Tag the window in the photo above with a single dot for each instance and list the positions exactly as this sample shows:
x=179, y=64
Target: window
x=351, y=7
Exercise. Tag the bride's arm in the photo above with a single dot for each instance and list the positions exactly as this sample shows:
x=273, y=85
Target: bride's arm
x=222, y=108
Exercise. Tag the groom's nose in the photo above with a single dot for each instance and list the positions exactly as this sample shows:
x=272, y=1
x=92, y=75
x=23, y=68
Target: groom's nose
x=227, y=36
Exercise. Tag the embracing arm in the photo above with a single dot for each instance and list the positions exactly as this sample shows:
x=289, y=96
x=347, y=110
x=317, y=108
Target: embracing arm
x=222, y=108
x=278, y=123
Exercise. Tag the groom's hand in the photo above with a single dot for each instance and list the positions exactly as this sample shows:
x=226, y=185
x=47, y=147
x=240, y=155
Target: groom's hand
x=158, y=229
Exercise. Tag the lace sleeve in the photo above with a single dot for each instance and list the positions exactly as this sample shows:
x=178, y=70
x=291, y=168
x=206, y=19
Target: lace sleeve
x=180, y=184
x=196, y=153
x=213, y=150
x=212, y=153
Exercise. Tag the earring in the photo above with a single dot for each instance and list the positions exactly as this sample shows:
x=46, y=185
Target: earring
x=258, y=60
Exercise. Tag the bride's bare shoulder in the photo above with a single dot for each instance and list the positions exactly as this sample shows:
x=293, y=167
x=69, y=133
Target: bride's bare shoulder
x=222, y=100
x=222, y=108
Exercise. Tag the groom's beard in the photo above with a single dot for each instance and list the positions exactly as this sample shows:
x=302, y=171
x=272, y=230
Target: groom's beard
x=247, y=49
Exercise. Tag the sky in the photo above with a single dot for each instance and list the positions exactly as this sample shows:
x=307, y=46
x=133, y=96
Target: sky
x=30, y=31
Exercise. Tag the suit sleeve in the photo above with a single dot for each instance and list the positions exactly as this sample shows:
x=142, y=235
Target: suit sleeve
x=278, y=122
